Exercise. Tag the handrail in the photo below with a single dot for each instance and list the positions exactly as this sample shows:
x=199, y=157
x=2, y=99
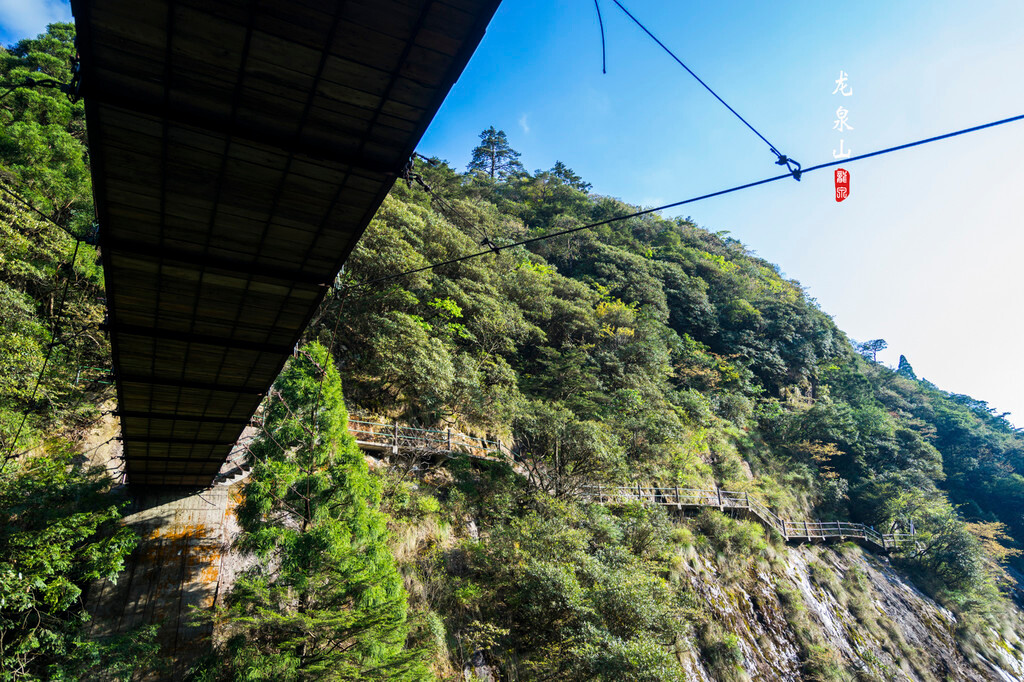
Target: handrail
x=672, y=496
x=400, y=436
x=403, y=437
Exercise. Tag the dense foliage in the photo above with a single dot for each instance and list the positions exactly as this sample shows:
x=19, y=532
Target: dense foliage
x=58, y=527
x=650, y=349
x=324, y=599
x=559, y=591
x=57, y=534
x=50, y=285
x=645, y=349
x=42, y=132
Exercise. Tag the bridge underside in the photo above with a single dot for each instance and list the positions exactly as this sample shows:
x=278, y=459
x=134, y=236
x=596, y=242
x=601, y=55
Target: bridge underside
x=239, y=150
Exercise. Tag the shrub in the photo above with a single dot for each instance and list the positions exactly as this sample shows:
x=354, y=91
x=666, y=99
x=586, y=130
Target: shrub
x=720, y=652
x=731, y=537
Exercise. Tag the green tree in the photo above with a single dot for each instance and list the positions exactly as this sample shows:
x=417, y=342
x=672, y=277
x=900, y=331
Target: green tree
x=42, y=133
x=566, y=175
x=905, y=370
x=871, y=348
x=562, y=453
x=325, y=600
x=58, y=532
x=494, y=156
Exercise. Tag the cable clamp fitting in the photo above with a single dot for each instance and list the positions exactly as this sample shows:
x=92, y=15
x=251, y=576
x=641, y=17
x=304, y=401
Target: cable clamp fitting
x=791, y=164
x=406, y=173
x=73, y=88
x=92, y=235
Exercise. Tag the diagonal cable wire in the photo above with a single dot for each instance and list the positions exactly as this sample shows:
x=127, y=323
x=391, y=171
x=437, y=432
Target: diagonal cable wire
x=46, y=360
x=782, y=159
x=25, y=203
x=443, y=206
x=692, y=200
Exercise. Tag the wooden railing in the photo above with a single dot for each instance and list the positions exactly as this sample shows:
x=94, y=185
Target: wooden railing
x=789, y=529
x=397, y=437
x=393, y=437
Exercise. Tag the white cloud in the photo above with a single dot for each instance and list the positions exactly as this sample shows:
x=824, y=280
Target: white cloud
x=28, y=18
x=523, y=123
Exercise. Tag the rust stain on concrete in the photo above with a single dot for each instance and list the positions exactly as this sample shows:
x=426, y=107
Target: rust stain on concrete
x=173, y=574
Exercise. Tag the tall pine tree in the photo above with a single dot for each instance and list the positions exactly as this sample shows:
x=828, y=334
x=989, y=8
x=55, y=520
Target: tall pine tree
x=325, y=601
x=494, y=156
x=904, y=369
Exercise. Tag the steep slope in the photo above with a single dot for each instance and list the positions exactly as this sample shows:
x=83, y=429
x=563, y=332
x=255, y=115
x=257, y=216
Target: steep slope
x=646, y=350
x=649, y=350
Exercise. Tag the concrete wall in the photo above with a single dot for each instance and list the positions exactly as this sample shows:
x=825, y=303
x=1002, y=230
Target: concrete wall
x=175, y=569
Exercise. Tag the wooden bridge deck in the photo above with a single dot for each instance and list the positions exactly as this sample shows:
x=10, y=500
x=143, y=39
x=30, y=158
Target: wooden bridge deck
x=239, y=149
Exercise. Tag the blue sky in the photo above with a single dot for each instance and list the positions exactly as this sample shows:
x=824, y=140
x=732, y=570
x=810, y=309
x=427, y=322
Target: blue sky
x=924, y=253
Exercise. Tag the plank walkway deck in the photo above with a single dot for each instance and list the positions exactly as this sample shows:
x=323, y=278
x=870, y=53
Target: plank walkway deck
x=689, y=499
x=394, y=438
x=238, y=151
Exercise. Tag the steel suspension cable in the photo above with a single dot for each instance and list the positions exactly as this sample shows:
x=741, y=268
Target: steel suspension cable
x=46, y=360
x=692, y=200
x=781, y=159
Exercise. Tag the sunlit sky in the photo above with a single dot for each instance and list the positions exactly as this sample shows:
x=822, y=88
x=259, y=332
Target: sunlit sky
x=925, y=251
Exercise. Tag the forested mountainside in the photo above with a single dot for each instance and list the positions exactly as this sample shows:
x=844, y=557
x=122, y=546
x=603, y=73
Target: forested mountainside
x=644, y=351
x=652, y=350
x=58, y=526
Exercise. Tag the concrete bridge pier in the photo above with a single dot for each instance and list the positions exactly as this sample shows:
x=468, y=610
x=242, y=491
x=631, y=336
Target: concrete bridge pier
x=174, y=570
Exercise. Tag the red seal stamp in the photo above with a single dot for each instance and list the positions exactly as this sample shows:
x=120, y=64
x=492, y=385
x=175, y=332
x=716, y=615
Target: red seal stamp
x=842, y=184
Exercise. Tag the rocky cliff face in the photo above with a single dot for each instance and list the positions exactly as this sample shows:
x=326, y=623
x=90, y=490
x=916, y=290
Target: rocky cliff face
x=812, y=611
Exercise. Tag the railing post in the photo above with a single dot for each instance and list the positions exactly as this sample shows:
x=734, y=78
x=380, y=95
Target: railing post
x=785, y=532
x=600, y=496
x=807, y=531
x=747, y=497
x=677, y=494
x=639, y=495
x=718, y=491
x=449, y=439
x=396, y=437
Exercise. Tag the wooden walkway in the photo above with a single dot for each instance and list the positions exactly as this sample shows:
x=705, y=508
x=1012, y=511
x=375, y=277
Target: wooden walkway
x=689, y=499
x=395, y=438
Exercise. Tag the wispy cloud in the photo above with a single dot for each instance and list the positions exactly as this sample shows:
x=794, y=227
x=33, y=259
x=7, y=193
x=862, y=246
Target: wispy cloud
x=28, y=18
x=651, y=202
x=524, y=124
